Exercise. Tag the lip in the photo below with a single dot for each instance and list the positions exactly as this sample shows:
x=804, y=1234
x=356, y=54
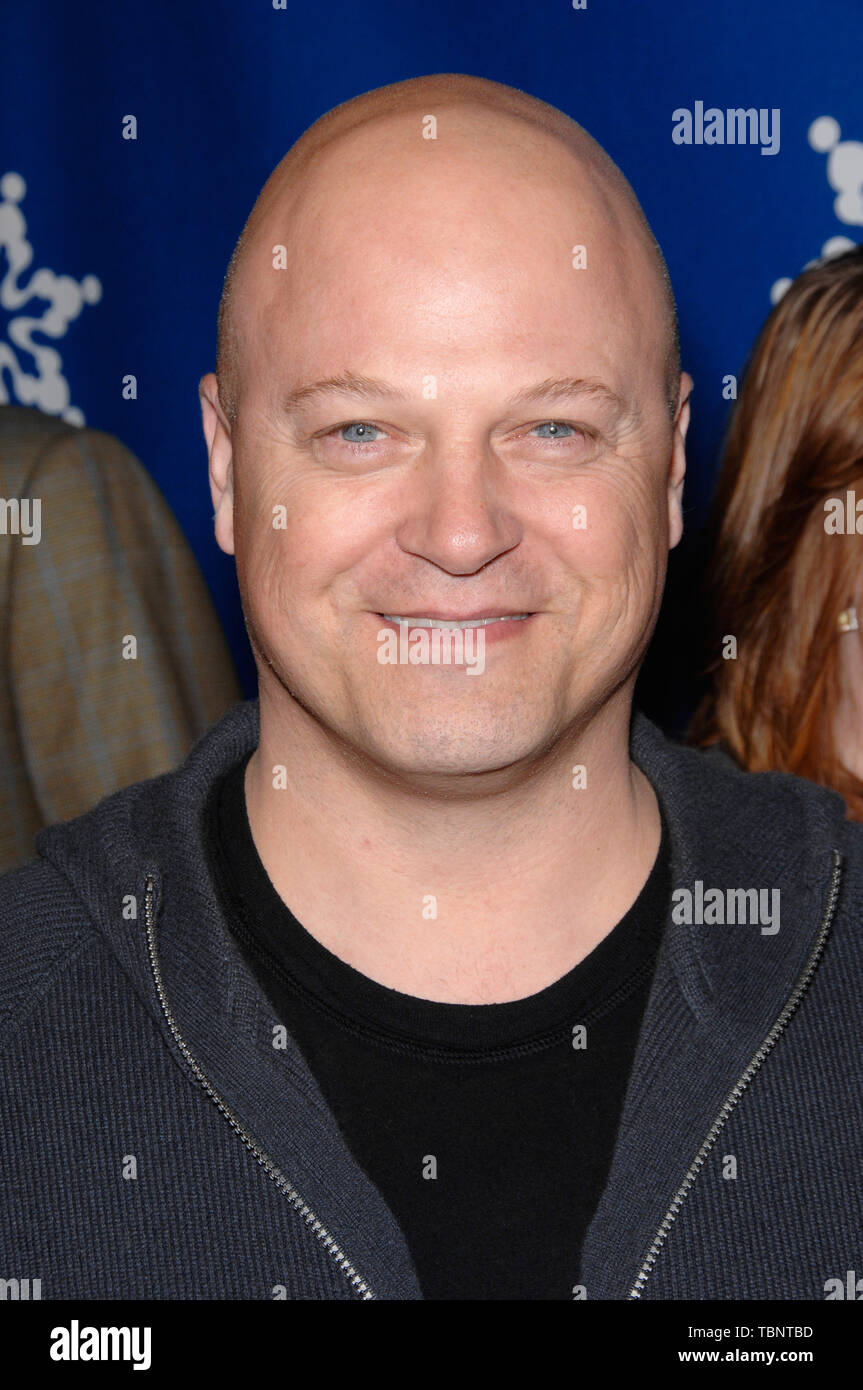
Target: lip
x=466, y=617
x=493, y=633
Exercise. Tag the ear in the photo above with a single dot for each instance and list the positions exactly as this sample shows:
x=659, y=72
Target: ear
x=677, y=468
x=217, y=433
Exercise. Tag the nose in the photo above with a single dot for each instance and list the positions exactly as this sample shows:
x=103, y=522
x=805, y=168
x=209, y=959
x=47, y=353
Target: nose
x=459, y=514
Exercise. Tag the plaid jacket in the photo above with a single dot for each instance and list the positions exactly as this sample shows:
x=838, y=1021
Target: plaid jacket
x=78, y=719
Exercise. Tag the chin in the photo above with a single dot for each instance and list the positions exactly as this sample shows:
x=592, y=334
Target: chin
x=445, y=749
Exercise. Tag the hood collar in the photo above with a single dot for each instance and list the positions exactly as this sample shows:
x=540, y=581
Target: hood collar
x=728, y=828
x=715, y=994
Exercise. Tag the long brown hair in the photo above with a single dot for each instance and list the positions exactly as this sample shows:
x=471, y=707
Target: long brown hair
x=777, y=580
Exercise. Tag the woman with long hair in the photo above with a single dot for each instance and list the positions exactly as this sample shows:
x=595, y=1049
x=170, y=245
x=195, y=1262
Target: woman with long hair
x=786, y=571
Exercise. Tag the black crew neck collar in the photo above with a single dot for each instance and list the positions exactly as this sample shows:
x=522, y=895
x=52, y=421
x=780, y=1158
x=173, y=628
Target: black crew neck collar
x=251, y=902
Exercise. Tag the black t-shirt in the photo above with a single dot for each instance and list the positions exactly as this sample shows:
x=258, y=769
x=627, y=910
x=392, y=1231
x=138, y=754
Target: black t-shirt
x=488, y=1128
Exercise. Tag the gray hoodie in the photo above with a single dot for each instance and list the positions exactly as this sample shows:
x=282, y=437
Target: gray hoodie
x=157, y=1145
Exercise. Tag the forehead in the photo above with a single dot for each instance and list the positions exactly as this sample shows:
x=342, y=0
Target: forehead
x=494, y=233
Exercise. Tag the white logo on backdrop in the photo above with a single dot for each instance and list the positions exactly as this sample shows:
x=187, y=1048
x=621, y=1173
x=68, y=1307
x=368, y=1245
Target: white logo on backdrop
x=845, y=177
x=47, y=388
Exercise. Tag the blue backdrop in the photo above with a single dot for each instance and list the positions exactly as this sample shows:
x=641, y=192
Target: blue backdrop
x=112, y=251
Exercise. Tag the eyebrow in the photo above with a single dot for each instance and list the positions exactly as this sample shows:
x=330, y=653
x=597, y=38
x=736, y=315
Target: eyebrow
x=560, y=388
x=366, y=388
x=347, y=384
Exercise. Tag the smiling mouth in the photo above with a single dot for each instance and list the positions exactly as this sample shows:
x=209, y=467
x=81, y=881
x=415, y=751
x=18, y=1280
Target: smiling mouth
x=457, y=622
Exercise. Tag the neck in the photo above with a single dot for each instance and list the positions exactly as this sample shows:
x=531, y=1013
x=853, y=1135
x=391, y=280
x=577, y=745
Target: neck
x=481, y=892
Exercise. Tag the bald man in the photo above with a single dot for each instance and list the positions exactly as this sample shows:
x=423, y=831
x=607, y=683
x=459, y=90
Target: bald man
x=437, y=972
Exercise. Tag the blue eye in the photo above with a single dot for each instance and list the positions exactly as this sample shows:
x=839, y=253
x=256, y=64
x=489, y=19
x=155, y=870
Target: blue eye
x=364, y=432
x=556, y=426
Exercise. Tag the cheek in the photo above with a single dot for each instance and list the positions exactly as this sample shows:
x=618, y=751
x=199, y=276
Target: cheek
x=613, y=531
x=296, y=537
x=614, y=564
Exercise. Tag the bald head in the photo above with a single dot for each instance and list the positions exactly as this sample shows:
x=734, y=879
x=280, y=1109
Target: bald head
x=494, y=131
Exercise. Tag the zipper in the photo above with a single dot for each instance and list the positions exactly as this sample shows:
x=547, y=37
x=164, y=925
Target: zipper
x=283, y=1184
x=734, y=1095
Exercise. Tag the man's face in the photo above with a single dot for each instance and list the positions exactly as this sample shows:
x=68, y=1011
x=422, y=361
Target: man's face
x=451, y=491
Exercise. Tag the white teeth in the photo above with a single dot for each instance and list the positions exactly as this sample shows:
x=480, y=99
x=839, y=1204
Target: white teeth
x=443, y=622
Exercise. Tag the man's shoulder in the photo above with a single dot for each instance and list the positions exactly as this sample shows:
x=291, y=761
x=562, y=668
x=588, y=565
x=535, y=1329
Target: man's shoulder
x=44, y=926
x=90, y=872
x=731, y=795
x=733, y=827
